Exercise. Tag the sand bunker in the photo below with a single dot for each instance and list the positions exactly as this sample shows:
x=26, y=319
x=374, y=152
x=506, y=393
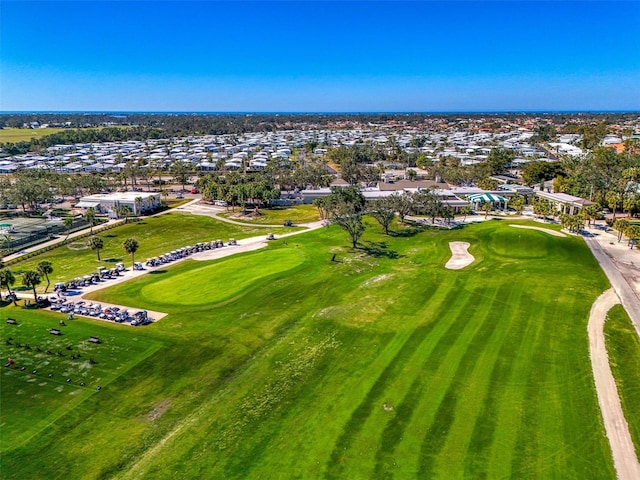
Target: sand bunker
x=541, y=229
x=460, y=256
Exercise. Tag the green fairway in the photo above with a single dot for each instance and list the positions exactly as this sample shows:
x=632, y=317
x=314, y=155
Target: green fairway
x=156, y=236
x=623, y=348
x=178, y=289
x=280, y=363
x=13, y=135
x=277, y=216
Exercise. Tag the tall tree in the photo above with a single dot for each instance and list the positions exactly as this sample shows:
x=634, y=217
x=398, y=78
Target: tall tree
x=31, y=278
x=45, y=268
x=345, y=207
x=383, y=210
x=352, y=224
x=517, y=203
x=621, y=225
x=180, y=171
x=90, y=217
x=95, y=243
x=131, y=247
x=499, y=158
x=68, y=223
x=486, y=207
x=7, y=279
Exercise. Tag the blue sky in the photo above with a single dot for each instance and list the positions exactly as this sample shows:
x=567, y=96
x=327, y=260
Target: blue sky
x=320, y=56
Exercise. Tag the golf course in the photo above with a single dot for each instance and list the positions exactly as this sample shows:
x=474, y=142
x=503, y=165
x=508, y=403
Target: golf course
x=284, y=363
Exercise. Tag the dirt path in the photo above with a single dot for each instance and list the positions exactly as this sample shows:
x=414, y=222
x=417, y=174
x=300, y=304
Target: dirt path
x=541, y=229
x=624, y=455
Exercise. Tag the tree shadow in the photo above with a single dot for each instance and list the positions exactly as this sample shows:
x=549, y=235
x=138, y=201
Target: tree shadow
x=379, y=249
x=157, y=272
x=111, y=235
x=407, y=232
x=112, y=260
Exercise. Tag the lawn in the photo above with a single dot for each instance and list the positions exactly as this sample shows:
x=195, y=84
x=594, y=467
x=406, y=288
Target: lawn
x=280, y=363
x=70, y=369
x=623, y=347
x=155, y=235
x=277, y=216
x=14, y=135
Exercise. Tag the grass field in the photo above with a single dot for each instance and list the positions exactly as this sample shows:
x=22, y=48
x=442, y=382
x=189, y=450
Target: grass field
x=14, y=135
x=279, y=363
x=70, y=356
x=156, y=235
x=623, y=348
x=277, y=216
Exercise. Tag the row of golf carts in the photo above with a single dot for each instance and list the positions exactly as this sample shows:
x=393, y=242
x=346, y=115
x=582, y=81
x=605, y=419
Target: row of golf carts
x=115, y=314
x=186, y=251
x=103, y=273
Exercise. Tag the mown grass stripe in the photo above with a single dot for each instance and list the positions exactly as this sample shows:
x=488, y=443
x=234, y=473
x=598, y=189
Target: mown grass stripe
x=393, y=433
x=528, y=443
x=437, y=347
x=482, y=436
x=364, y=409
x=437, y=435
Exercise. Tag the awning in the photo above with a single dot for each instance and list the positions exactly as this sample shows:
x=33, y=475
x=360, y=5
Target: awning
x=486, y=198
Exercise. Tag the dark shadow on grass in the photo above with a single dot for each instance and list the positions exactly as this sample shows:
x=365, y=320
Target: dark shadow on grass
x=410, y=231
x=111, y=235
x=112, y=260
x=379, y=249
x=157, y=272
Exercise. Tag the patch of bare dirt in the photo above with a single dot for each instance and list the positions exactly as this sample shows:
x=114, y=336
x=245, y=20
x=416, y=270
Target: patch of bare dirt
x=158, y=410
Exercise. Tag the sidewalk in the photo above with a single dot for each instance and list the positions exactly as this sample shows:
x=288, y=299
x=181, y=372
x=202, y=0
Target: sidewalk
x=620, y=263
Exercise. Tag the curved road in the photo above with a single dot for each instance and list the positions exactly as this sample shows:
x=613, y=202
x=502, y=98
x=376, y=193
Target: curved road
x=624, y=455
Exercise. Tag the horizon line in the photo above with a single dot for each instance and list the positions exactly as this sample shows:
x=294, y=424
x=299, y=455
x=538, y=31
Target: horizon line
x=301, y=112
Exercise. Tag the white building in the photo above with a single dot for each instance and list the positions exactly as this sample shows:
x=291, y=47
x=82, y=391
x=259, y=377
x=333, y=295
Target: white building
x=138, y=202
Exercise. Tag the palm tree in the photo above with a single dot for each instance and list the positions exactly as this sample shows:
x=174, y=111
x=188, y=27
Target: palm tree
x=96, y=243
x=68, y=223
x=45, y=268
x=6, y=280
x=31, y=278
x=131, y=247
x=465, y=210
x=621, y=225
x=486, y=208
x=138, y=203
x=90, y=217
x=633, y=233
x=123, y=211
x=517, y=203
x=6, y=240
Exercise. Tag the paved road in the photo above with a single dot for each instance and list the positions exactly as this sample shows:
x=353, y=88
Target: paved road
x=626, y=292
x=624, y=455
